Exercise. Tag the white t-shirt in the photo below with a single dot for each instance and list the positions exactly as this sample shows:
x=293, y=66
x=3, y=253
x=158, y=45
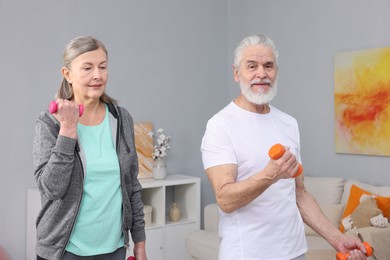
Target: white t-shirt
x=270, y=227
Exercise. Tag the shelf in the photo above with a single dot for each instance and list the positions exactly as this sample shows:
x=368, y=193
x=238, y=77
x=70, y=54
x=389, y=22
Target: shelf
x=165, y=235
x=172, y=179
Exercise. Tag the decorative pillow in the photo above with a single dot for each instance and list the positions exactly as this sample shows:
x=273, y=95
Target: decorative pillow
x=387, y=213
x=379, y=221
x=362, y=215
x=384, y=205
x=354, y=200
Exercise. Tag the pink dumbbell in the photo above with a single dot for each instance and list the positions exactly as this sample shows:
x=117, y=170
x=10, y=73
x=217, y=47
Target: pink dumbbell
x=131, y=258
x=53, y=108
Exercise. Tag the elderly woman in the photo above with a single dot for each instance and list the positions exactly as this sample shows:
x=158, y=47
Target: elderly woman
x=86, y=166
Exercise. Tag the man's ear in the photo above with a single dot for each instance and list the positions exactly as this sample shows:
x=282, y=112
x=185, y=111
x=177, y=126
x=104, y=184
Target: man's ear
x=65, y=73
x=235, y=74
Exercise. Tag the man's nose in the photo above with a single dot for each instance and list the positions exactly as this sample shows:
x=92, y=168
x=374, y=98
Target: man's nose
x=260, y=72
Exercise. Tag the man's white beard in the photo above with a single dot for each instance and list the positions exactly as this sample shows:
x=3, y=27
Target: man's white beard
x=259, y=98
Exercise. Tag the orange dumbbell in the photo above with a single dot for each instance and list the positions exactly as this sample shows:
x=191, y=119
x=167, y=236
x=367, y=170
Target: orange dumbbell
x=276, y=151
x=342, y=256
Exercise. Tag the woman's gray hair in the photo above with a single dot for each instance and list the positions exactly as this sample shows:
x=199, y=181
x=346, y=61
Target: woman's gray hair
x=75, y=48
x=254, y=40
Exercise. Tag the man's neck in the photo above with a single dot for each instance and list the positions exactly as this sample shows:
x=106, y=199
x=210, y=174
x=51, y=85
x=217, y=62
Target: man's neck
x=242, y=102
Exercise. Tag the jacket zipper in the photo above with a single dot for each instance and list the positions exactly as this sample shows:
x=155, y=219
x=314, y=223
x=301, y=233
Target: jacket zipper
x=81, y=197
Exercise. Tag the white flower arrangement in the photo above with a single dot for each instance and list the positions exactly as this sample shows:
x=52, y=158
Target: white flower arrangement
x=160, y=149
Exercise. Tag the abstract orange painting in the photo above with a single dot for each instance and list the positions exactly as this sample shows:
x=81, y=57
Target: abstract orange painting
x=362, y=101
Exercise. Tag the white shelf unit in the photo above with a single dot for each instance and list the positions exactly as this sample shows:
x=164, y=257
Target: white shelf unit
x=165, y=240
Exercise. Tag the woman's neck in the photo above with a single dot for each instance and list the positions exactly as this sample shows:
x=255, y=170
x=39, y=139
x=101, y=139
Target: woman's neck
x=94, y=113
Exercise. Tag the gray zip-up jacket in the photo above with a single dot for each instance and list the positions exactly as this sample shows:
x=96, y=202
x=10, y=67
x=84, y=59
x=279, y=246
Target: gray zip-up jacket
x=59, y=167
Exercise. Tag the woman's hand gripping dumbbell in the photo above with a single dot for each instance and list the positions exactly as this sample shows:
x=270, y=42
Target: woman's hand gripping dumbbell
x=277, y=151
x=53, y=107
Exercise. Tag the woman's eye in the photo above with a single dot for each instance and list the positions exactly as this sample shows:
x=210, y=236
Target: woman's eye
x=87, y=68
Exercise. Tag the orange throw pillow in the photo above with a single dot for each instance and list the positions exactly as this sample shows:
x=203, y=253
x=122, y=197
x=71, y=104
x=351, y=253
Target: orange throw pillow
x=384, y=205
x=354, y=200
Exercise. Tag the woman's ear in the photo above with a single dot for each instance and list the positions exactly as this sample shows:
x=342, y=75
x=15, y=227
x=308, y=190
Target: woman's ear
x=66, y=74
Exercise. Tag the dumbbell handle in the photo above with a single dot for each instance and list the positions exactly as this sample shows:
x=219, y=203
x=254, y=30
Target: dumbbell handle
x=342, y=256
x=277, y=151
x=53, y=108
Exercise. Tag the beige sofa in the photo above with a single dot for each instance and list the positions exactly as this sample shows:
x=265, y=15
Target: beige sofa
x=332, y=195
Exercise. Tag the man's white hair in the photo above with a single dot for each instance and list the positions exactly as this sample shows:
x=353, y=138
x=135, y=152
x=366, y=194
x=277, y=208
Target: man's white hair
x=254, y=40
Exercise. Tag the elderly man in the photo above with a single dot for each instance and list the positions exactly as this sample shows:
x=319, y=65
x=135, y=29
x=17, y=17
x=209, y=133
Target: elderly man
x=261, y=204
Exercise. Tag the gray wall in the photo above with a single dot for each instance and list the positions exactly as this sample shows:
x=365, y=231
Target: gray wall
x=167, y=65
x=170, y=63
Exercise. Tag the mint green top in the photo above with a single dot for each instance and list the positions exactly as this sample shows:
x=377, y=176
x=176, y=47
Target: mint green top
x=98, y=225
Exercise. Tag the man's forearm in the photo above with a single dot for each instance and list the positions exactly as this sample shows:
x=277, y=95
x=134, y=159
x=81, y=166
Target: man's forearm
x=314, y=217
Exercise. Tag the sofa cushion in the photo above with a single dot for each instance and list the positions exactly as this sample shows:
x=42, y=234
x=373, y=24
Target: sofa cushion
x=211, y=217
x=332, y=212
x=317, y=242
x=326, y=190
x=203, y=245
x=320, y=254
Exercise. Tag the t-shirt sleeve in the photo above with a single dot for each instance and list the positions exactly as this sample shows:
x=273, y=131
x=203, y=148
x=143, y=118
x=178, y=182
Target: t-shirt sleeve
x=297, y=138
x=217, y=147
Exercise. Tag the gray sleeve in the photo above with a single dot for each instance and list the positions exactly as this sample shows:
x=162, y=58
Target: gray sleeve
x=53, y=158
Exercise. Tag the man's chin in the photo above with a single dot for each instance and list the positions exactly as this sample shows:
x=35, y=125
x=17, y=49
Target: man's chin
x=259, y=98
x=264, y=95
x=261, y=102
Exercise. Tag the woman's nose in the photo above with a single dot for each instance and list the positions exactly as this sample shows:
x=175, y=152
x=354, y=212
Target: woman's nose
x=96, y=74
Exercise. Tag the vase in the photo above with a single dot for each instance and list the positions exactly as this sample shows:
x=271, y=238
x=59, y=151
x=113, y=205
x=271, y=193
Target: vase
x=159, y=169
x=174, y=212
